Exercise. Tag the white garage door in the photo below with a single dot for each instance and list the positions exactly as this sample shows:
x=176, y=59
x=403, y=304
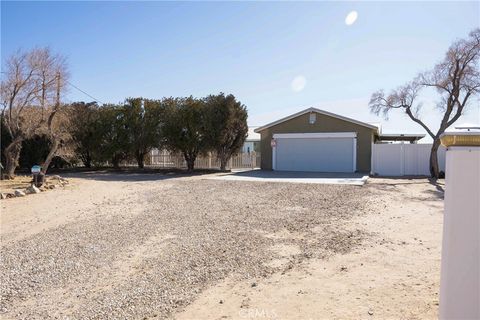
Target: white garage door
x=322, y=152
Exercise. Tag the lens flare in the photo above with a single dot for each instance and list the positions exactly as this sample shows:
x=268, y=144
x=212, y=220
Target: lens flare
x=298, y=83
x=351, y=18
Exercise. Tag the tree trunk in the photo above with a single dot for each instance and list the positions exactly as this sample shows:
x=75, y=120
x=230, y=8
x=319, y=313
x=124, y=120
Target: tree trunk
x=434, y=170
x=223, y=162
x=224, y=157
x=51, y=154
x=190, y=159
x=116, y=161
x=12, y=155
x=140, y=159
x=86, y=159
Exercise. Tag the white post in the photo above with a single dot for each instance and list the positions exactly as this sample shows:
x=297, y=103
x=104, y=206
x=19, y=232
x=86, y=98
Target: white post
x=402, y=159
x=273, y=144
x=373, y=160
x=355, y=154
x=460, y=272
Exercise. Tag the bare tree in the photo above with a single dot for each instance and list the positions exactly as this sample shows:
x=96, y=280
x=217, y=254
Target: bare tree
x=57, y=130
x=30, y=96
x=18, y=91
x=456, y=79
x=53, y=78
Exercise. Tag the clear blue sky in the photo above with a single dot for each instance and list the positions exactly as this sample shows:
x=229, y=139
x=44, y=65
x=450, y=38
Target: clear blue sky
x=251, y=49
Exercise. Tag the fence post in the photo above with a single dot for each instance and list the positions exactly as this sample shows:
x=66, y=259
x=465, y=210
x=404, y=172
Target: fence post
x=460, y=270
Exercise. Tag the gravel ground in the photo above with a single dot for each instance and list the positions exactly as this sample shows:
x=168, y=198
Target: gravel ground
x=154, y=249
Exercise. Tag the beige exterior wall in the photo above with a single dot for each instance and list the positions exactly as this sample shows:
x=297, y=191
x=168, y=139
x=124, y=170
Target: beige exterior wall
x=323, y=123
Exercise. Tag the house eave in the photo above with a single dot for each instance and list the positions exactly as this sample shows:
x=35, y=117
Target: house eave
x=333, y=115
x=400, y=137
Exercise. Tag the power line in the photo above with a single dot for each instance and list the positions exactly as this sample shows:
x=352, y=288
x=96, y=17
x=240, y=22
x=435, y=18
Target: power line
x=95, y=99
x=74, y=86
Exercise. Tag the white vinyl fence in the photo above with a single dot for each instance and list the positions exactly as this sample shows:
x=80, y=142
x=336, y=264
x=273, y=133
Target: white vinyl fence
x=164, y=159
x=398, y=159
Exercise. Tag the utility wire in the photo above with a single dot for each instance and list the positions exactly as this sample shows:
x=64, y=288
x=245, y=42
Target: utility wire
x=95, y=99
x=74, y=86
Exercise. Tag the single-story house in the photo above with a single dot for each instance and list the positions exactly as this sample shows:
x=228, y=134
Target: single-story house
x=317, y=140
x=252, y=143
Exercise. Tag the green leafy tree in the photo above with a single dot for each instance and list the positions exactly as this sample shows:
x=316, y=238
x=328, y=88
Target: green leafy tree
x=111, y=130
x=227, y=127
x=84, y=130
x=184, y=129
x=6, y=139
x=34, y=150
x=143, y=121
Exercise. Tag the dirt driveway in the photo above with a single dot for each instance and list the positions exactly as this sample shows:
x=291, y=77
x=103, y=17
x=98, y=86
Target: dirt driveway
x=113, y=246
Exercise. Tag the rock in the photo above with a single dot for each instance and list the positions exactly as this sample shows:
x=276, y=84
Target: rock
x=58, y=178
x=245, y=303
x=221, y=301
x=254, y=285
x=9, y=195
x=32, y=189
x=19, y=193
x=343, y=268
x=370, y=312
x=3, y=196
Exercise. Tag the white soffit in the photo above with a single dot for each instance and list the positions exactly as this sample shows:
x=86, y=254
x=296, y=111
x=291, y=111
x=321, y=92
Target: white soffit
x=315, y=135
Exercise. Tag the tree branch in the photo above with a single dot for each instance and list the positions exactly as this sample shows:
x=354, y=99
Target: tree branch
x=420, y=122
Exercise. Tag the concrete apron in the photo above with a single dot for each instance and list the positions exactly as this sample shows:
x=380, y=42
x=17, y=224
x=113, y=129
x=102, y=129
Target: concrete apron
x=293, y=177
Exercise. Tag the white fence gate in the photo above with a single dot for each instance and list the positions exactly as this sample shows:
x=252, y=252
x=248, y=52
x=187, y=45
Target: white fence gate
x=398, y=159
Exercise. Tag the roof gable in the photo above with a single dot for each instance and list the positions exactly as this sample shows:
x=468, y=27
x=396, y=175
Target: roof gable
x=333, y=115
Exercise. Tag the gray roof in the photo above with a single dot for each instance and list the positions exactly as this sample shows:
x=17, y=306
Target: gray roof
x=400, y=137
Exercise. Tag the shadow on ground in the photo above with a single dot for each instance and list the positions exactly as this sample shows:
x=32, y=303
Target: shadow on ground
x=391, y=183
x=133, y=175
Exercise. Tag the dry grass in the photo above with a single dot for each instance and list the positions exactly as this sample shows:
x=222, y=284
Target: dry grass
x=20, y=182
